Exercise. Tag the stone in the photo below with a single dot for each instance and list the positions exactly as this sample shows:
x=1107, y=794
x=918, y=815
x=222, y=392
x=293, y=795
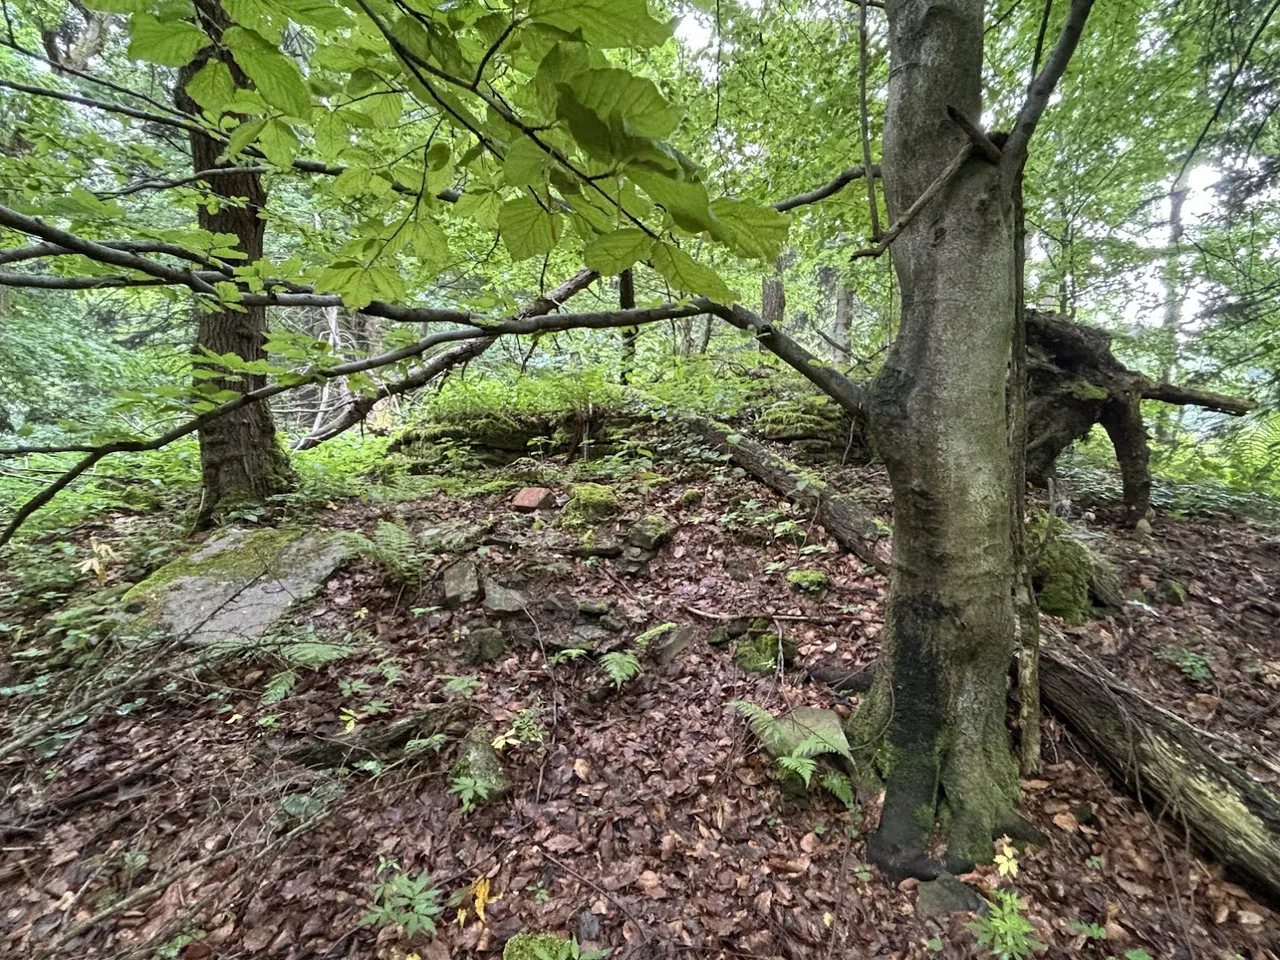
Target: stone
x=1173, y=593
x=612, y=624
x=485, y=644
x=590, y=503
x=671, y=644
x=585, y=636
x=947, y=895
x=461, y=583
x=477, y=760
x=239, y=584
x=594, y=607
x=451, y=536
x=651, y=532
x=738, y=570
x=560, y=606
x=588, y=926
x=532, y=499
x=635, y=561
x=503, y=601
x=800, y=724
x=1143, y=527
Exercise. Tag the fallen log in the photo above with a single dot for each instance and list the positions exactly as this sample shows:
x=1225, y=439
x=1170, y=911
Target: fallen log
x=847, y=523
x=1167, y=764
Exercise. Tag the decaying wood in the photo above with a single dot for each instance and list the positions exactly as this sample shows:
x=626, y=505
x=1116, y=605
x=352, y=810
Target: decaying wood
x=386, y=742
x=1167, y=764
x=1076, y=381
x=847, y=522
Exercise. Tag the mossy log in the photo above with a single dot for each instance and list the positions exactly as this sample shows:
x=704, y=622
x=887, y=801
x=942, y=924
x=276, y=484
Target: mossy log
x=383, y=743
x=846, y=521
x=1168, y=765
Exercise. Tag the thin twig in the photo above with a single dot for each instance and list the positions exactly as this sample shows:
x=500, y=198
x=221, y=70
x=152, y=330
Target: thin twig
x=930, y=192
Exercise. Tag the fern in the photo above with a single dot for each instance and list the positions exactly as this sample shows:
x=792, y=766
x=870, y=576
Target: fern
x=314, y=654
x=279, y=687
x=620, y=666
x=838, y=786
x=815, y=745
x=763, y=723
x=802, y=767
x=394, y=549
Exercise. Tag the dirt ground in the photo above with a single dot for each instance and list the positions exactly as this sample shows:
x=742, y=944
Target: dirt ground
x=647, y=820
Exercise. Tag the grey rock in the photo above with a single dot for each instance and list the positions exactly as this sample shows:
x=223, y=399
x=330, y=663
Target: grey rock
x=739, y=571
x=503, y=601
x=585, y=636
x=800, y=724
x=237, y=586
x=946, y=895
x=635, y=561
x=651, y=532
x=479, y=761
x=485, y=644
x=594, y=607
x=461, y=583
x=561, y=606
x=613, y=624
x=671, y=644
x=588, y=926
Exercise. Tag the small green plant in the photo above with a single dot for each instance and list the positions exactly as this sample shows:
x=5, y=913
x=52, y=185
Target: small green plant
x=1006, y=932
x=620, y=666
x=1092, y=931
x=800, y=761
x=1190, y=663
x=394, y=549
x=1094, y=863
x=403, y=900
x=526, y=727
x=808, y=581
x=548, y=946
x=465, y=686
x=470, y=791
x=567, y=655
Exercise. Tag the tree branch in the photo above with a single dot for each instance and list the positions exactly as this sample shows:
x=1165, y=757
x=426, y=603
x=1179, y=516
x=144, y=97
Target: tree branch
x=842, y=180
x=921, y=202
x=1042, y=87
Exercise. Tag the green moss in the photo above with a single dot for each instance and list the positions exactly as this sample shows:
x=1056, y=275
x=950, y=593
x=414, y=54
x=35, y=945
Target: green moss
x=590, y=503
x=691, y=497
x=1173, y=592
x=240, y=560
x=799, y=418
x=758, y=652
x=1062, y=572
x=808, y=581
x=1084, y=390
x=534, y=946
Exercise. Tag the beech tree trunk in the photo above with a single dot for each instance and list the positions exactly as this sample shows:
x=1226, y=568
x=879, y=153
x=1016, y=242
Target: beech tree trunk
x=938, y=411
x=240, y=457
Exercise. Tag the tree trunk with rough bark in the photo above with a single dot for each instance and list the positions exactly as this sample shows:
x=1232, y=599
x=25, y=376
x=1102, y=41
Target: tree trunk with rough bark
x=841, y=349
x=240, y=457
x=936, y=714
x=627, y=301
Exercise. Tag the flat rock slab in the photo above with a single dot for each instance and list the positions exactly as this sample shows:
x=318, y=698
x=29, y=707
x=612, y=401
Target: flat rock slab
x=945, y=895
x=801, y=724
x=238, y=585
x=531, y=499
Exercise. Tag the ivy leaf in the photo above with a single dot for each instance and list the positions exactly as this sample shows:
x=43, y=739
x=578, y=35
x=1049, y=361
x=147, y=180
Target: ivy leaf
x=526, y=229
x=169, y=44
x=617, y=251
x=276, y=76
x=684, y=273
x=212, y=87
x=750, y=230
x=604, y=23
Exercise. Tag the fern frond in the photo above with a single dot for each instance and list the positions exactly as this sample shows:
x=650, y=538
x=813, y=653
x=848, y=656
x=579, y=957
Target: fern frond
x=763, y=723
x=816, y=744
x=620, y=666
x=314, y=654
x=279, y=687
x=802, y=767
x=839, y=787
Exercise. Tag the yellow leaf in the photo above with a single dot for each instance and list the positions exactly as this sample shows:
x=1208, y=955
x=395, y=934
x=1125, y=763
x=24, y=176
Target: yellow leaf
x=462, y=917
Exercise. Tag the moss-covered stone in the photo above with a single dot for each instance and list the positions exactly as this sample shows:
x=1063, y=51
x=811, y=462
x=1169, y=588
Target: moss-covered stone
x=651, y=532
x=808, y=581
x=591, y=503
x=758, y=652
x=477, y=760
x=1063, y=571
x=691, y=497
x=807, y=417
x=535, y=946
x=1173, y=592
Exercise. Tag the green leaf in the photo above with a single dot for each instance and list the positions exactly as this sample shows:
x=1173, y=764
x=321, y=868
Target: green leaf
x=685, y=200
x=482, y=206
x=244, y=135
x=617, y=251
x=684, y=273
x=170, y=44
x=279, y=143
x=276, y=76
x=524, y=164
x=527, y=230
x=212, y=87
x=604, y=23
x=750, y=230
x=331, y=135
x=358, y=284
x=314, y=13
x=116, y=6
x=630, y=103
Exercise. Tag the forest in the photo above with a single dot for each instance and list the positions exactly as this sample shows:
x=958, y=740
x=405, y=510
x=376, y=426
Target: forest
x=564, y=479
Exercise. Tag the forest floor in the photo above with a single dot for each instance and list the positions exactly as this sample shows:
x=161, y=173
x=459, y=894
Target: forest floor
x=643, y=817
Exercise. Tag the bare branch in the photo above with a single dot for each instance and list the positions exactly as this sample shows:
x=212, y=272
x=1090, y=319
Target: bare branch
x=921, y=202
x=1042, y=87
x=105, y=106
x=842, y=180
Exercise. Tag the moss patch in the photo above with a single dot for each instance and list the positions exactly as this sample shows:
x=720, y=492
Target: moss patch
x=590, y=503
x=534, y=946
x=1062, y=572
x=801, y=418
x=808, y=581
x=758, y=652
